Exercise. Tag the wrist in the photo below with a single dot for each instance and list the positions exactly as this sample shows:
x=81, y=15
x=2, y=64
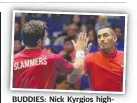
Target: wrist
x=80, y=53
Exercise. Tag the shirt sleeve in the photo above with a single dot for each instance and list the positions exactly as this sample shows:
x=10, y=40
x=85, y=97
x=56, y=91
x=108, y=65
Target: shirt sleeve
x=63, y=65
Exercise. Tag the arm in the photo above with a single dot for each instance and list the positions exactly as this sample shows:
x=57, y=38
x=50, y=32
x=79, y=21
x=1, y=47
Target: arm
x=77, y=74
x=78, y=65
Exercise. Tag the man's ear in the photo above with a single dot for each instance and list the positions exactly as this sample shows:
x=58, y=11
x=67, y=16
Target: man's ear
x=115, y=39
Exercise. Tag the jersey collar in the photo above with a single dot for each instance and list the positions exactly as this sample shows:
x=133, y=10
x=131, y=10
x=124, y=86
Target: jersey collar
x=113, y=55
x=32, y=50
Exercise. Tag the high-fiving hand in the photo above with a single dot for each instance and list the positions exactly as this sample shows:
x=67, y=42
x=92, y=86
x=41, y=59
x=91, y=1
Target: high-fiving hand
x=82, y=42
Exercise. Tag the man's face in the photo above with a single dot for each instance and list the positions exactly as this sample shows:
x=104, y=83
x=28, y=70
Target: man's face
x=91, y=36
x=72, y=30
x=76, y=18
x=68, y=46
x=102, y=20
x=17, y=46
x=65, y=28
x=118, y=32
x=17, y=29
x=106, y=39
x=90, y=26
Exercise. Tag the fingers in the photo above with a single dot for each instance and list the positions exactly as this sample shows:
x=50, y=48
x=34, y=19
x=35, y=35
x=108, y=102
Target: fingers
x=79, y=37
x=87, y=50
x=86, y=47
x=73, y=42
x=86, y=41
x=89, y=46
x=82, y=37
x=85, y=36
x=82, y=42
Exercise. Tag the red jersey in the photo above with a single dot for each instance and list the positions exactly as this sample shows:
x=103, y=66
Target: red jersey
x=105, y=72
x=37, y=69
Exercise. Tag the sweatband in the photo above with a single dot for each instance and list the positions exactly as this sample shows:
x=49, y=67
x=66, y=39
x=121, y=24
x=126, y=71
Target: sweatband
x=80, y=53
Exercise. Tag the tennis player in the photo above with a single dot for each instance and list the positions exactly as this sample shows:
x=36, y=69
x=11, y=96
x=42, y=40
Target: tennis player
x=35, y=69
x=105, y=67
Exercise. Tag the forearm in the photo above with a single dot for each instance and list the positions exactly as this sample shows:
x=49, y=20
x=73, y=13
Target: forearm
x=79, y=64
x=79, y=61
x=80, y=47
x=78, y=71
x=74, y=76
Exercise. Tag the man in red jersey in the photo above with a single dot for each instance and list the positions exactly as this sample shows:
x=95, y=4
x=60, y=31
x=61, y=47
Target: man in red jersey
x=105, y=67
x=33, y=68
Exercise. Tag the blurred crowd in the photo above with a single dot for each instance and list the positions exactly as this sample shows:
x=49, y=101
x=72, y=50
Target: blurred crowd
x=61, y=30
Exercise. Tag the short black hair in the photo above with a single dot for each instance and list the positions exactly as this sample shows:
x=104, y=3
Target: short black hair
x=78, y=24
x=17, y=38
x=91, y=21
x=106, y=26
x=114, y=26
x=68, y=39
x=67, y=57
x=32, y=32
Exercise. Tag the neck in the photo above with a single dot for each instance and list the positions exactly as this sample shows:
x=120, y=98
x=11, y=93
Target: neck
x=110, y=50
x=27, y=47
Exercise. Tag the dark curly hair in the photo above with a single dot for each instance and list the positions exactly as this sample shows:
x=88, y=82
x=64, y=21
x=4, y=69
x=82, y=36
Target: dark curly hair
x=32, y=32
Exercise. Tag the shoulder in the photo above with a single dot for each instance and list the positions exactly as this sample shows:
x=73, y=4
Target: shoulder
x=19, y=54
x=92, y=56
x=120, y=52
x=52, y=56
x=48, y=55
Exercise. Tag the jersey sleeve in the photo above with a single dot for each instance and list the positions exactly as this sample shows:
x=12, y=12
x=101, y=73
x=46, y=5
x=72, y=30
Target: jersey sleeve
x=63, y=65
